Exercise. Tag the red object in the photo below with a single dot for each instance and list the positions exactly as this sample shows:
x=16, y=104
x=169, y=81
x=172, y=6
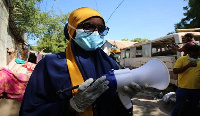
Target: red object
x=30, y=66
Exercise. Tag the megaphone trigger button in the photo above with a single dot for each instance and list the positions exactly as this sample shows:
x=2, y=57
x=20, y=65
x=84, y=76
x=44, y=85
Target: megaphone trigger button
x=111, y=72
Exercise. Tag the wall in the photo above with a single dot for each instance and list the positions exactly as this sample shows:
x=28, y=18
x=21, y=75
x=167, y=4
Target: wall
x=106, y=47
x=10, y=46
x=4, y=16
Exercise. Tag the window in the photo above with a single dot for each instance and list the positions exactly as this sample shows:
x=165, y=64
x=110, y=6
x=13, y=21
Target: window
x=127, y=53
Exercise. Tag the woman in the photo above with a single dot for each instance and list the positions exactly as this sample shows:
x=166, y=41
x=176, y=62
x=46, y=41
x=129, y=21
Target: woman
x=81, y=64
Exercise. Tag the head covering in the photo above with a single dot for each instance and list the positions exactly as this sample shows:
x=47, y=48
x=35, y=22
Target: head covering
x=76, y=17
x=115, y=50
x=84, y=64
x=79, y=15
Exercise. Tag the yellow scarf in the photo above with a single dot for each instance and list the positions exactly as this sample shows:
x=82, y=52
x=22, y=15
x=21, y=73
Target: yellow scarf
x=76, y=17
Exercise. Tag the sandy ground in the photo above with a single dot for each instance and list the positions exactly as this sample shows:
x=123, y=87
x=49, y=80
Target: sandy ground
x=144, y=105
x=9, y=107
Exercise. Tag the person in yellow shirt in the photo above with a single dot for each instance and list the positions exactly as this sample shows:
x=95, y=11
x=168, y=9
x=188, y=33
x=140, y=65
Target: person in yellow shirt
x=188, y=70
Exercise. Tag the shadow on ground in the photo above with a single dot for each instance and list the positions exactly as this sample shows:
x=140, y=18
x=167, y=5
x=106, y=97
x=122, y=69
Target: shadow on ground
x=9, y=107
x=146, y=104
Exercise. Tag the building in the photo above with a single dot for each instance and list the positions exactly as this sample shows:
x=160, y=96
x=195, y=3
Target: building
x=12, y=42
x=109, y=44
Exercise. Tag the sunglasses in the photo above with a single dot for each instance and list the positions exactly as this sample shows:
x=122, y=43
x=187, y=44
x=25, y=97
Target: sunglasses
x=90, y=28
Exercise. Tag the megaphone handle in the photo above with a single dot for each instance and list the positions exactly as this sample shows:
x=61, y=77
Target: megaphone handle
x=126, y=101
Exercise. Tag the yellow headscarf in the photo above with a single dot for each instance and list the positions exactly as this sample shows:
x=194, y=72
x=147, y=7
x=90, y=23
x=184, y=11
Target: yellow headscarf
x=75, y=18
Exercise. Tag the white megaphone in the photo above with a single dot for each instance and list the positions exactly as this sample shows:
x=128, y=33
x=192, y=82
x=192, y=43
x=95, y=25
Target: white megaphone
x=153, y=74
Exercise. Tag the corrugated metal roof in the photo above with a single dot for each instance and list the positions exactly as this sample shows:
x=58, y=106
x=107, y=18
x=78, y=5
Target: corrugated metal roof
x=188, y=30
x=121, y=44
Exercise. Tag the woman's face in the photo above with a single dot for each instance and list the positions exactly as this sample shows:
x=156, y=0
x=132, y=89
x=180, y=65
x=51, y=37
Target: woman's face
x=95, y=21
x=93, y=24
x=90, y=34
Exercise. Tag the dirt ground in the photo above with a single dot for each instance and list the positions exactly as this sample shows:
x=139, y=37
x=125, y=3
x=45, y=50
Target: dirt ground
x=148, y=104
x=145, y=104
x=9, y=107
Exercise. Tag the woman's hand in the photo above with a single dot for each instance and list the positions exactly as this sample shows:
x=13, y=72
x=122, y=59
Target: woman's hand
x=88, y=92
x=131, y=90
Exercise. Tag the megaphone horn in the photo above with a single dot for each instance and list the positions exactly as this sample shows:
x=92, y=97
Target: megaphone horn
x=153, y=74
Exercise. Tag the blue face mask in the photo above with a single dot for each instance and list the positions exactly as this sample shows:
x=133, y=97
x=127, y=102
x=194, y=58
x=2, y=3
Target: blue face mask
x=88, y=42
x=192, y=59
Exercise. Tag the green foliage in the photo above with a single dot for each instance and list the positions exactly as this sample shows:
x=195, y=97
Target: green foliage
x=26, y=14
x=124, y=39
x=53, y=39
x=170, y=33
x=34, y=48
x=136, y=40
x=192, y=16
x=47, y=27
x=145, y=39
x=139, y=40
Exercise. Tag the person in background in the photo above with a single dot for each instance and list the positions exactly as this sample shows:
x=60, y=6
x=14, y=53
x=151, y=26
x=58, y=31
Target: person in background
x=190, y=41
x=39, y=57
x=32, y=58
x=84, y=64
x=115, y=55
x=187, y=68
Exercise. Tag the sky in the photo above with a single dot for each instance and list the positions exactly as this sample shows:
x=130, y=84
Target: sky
x=149, y=19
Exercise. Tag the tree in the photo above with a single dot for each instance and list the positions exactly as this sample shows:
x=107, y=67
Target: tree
x=192, y=16
x=139, y=40
x=124, y=39
x=46, y=26
x=53, y=39
x=170, y=33
x=27, y=16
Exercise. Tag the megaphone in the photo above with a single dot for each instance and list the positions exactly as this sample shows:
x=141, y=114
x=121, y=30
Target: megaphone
x=154, y=74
